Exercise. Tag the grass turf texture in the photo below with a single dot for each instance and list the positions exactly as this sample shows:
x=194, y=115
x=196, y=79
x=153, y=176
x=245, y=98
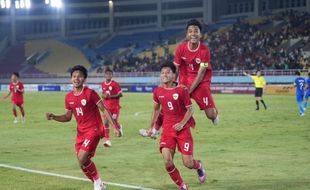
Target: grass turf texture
x=248, y=150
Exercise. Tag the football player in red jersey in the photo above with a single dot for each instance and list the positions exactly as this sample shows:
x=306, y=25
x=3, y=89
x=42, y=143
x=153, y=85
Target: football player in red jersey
x=83, y=103
x=17, y=89
x=177, y=123
x=111, y=94
x=195, y=56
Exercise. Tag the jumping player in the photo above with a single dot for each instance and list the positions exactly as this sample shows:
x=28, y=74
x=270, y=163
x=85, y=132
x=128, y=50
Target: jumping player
x=83, y=103
x=17, y=89
x=111, y=94
x=177, y=121
x=195, y=57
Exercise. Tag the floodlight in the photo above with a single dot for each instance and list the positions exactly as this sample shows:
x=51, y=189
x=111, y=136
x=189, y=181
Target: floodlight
x=56, y=3
x=28, y=4
x=8, y=4
x=2, y=4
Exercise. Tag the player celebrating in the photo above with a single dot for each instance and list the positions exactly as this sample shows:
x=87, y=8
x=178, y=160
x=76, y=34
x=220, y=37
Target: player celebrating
x=307, y=93
x=111, y=94
x=17, y=89
x=177, y=121
x=83, y=103
x=260, y=84
x=194, y=56
x=300, y=84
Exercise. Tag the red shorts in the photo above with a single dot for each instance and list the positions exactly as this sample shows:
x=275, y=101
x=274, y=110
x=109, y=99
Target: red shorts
x=203, y=97
x=114, y=113
x=18, y=103
x=183, y=139
x=87, y=142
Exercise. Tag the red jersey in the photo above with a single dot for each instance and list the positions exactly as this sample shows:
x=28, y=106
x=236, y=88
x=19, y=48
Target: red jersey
x=174, y=103
x=17, y=96
x=111, y=88
x=85, y=110
x=192, y=59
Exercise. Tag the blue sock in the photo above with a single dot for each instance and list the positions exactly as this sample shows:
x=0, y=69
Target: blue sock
x=301, y=108
x=305, y=104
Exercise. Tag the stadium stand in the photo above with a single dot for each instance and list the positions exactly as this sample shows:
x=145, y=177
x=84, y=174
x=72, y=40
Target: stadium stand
x=62, y=58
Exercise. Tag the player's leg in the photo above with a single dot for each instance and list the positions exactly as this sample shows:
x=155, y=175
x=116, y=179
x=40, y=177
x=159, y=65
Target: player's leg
x=203, y=97
x=173, y=172
x=299, y=99
x=107, y=142
x=306, y=101
x=186, y=147
x=14, y=113
x=167, y=149
x=22, y=111
x=86, y=148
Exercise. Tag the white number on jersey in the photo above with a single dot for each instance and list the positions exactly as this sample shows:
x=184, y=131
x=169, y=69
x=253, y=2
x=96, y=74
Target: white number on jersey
x=79, y=111
x=170, y=106
x=301, y=85
x=186, y=147
x=86, y=142
x=191, y=66
x=205, y=100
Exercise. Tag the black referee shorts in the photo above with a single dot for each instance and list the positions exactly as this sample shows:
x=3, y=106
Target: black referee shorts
x=258, y=92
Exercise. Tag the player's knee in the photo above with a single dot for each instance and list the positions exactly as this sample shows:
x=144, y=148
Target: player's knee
x=188, y=164
x=82, y=160
x=211, y=114
x=168, y=162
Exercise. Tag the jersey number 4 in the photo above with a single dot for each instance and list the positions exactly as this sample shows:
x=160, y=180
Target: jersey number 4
x=205, y=100
x=79, y=111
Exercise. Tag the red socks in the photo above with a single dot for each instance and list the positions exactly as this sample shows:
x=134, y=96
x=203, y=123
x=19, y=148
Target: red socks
x=196, y=164
x=175, y=175
x=90, y=170
x=107, y=131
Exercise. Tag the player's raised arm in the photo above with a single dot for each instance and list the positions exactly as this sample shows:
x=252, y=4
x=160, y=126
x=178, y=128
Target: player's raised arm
x=108, y=115
x=201, y=73
x=66, y=117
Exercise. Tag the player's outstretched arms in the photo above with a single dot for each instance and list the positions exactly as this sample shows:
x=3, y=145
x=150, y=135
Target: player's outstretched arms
x=60, y=118
x=6, y=96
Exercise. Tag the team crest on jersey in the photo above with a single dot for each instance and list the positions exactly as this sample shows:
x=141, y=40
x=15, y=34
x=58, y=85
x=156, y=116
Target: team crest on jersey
x=83, y=102
x=198, y=60
x=175, y=96
x=110, y=87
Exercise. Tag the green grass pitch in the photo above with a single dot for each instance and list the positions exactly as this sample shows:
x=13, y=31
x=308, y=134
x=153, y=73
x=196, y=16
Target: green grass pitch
x=250, y=150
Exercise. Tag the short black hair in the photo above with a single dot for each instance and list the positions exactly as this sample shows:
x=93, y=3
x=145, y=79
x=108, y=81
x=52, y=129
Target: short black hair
x=309, y=74
x=297, y=73
x=79, y=68
x=170, y=65
x=108, y=69
x=16, y=74
x=194, y=22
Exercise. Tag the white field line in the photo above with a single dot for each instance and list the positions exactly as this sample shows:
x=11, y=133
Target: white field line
x=72, y=177
x=140, y=113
